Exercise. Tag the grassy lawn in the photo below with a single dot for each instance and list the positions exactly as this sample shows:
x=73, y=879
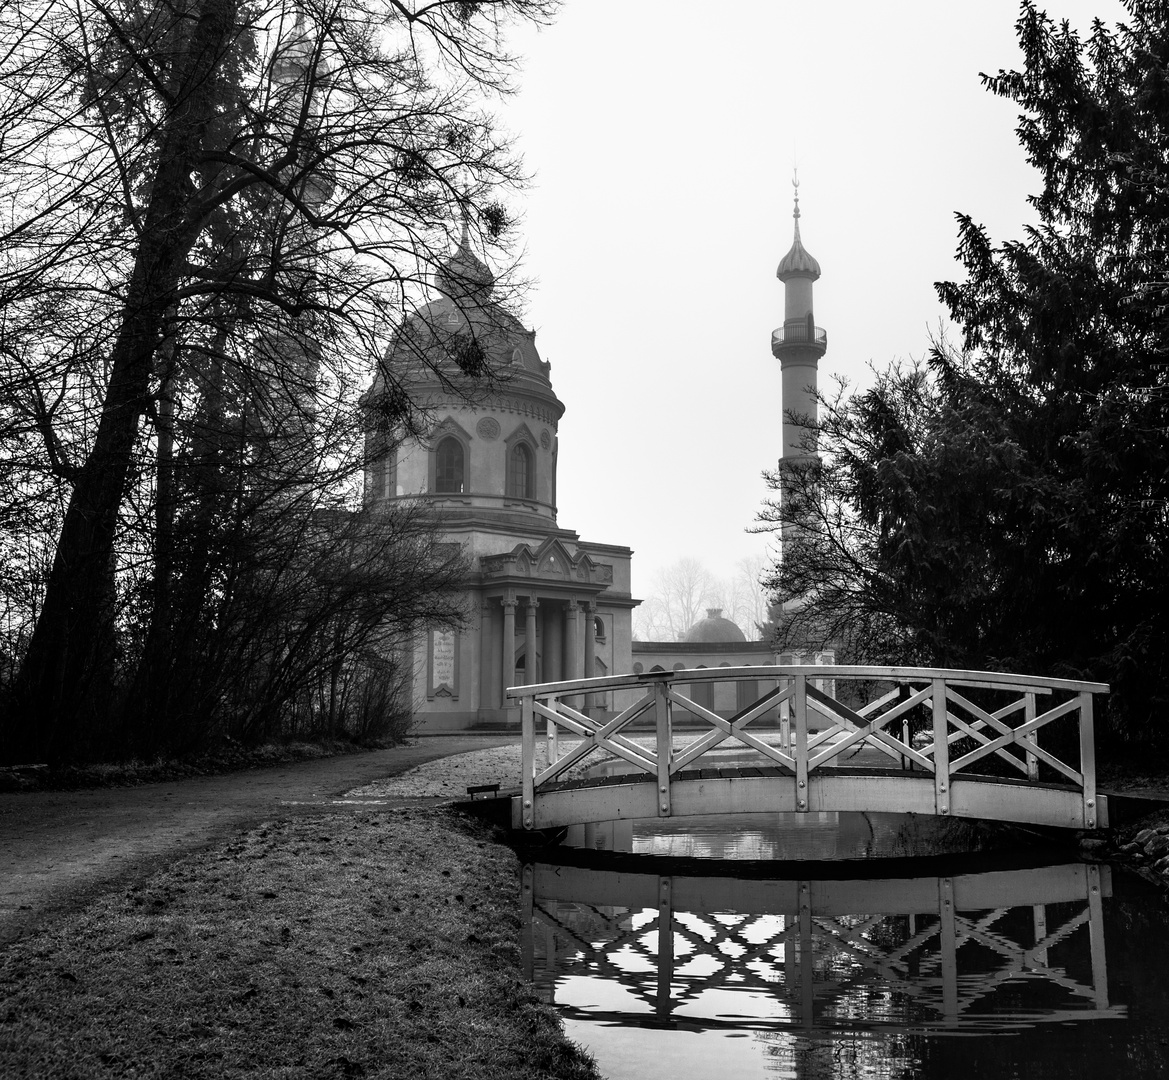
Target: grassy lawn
x=367, y=945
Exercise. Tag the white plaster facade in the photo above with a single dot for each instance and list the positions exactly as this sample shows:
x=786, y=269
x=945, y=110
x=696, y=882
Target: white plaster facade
x=543, y=604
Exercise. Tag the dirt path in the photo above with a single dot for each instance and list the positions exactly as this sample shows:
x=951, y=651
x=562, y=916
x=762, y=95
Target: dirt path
x=59, y=848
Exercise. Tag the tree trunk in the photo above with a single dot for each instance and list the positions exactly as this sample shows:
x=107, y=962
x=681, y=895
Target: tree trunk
x=153, y=682
x=70, y=657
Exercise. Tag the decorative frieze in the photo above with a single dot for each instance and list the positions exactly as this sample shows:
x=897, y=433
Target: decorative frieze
x=537, y=411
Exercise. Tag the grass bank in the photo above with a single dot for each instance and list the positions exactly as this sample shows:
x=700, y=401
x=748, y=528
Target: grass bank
x=380, y=945
x=226, y=757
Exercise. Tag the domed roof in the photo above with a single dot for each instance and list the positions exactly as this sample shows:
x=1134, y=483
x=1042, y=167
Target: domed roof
x=797, y=262
x=465, y=331
x=714, y=628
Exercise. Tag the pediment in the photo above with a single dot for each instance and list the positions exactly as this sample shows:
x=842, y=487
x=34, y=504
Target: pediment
x=552, y=560
x=448, y=425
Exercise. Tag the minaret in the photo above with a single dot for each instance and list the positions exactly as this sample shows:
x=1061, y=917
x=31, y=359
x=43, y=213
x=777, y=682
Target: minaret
x=798, y=344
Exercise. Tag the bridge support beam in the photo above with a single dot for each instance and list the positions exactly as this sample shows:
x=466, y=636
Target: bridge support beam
x=1088, y=759
x=528, y=761
x=687, y=795
x=941, y=749
x=801, y=711
x=663, y=714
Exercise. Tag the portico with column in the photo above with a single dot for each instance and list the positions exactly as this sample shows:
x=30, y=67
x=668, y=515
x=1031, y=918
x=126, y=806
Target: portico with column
x=550, y=601
x=542, y=604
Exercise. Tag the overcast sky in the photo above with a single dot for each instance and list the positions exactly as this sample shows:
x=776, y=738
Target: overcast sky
x=662, y=136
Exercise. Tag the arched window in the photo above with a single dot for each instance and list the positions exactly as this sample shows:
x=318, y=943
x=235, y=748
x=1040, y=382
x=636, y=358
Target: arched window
x=599, y=627
x=521, y=476
x=449, y=467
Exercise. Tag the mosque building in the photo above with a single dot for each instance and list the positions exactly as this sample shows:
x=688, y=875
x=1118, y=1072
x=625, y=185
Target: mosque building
x=543, y=604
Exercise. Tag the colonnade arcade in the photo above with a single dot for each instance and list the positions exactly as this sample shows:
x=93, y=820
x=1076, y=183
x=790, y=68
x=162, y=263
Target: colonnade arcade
x=540, y=618
x=534, y=637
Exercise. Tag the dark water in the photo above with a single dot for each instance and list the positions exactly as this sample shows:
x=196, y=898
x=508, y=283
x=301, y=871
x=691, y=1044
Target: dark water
x=876, y=969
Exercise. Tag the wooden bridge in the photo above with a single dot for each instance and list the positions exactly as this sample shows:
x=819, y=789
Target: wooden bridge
x=908, y=954
x=811, y=739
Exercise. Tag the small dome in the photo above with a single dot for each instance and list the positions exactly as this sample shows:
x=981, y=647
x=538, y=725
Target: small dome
x=797, y=262
x=464, y=274
x=714, y=628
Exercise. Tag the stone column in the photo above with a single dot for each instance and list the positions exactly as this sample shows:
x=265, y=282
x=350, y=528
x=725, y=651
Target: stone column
x=553, y=648
x=485, y=667
x=590, y=645
x=572, y=647
x=530, y=642
x=508, y=648
x=571, y=640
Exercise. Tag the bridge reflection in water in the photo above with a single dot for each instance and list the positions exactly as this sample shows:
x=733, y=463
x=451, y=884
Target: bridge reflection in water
x=970, y=953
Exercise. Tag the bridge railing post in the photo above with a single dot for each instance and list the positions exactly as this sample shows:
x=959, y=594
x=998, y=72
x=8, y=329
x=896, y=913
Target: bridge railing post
x=800, y=698
x=1088, y=758
x=552, y=737
x=941, y=748
x=785, y=725
x=664, y=716
x=528, y=757
x=1029, y=712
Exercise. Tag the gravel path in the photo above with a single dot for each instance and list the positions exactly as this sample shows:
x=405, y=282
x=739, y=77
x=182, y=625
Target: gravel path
x=60, y=848
x=448, y=777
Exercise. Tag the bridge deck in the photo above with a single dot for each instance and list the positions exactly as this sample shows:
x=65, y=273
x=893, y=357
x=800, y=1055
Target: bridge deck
x=743, y=772
x=746, y=789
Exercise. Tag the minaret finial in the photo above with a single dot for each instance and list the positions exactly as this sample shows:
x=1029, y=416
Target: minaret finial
x=796, y=190
x=465, y=239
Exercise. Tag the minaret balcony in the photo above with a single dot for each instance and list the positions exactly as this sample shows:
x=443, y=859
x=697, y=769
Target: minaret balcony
x=798, y=333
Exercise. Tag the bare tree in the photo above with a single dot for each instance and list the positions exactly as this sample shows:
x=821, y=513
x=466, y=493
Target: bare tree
x=744, y=597
x=214, y=214
x=681, y=593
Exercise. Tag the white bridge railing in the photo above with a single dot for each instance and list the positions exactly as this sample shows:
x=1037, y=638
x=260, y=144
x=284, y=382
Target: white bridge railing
x=805, y=722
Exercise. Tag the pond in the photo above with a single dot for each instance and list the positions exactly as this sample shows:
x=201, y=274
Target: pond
x=702, y=952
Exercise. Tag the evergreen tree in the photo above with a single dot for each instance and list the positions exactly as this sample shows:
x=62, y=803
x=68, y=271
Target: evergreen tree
x=1007, y=506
